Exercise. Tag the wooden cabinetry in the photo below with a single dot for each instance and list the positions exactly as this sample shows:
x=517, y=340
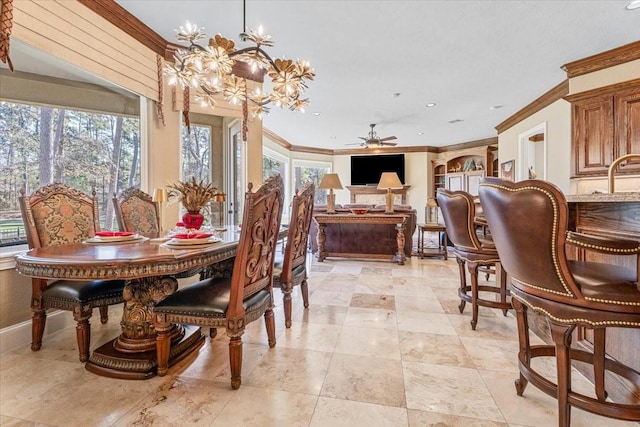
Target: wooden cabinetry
x=606, y=125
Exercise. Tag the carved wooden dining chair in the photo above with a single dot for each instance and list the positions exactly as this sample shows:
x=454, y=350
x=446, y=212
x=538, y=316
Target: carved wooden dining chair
x=528, y=221
x=136, y=211
x=57, y=214
x=290, y=269
x=458, y=209
x=231, y=302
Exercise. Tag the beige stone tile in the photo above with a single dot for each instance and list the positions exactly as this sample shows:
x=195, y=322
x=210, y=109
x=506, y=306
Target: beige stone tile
x=375, y=286
x=369, y=342
x=346, y=413
x=430, y=323
x=535, y=408
x=376, y=271
x=451, y=306
x=326, y=314
x=371, y=318
x=426, y=305
x=17, y=422
x=487, y=327
x=433, y=348
x=259, y=407
x=212, y=361
x=496, y=355
x=313, y=336
x=290, y=369
x=385, y=302
x=333, y=297
x=365, y=379
x=434, y=419
x=179, y=402
x=448, y=390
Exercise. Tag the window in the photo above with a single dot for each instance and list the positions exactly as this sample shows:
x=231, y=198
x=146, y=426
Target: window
x=88, y=151
x=273, y=163
x=305, y=172
x=196, y=153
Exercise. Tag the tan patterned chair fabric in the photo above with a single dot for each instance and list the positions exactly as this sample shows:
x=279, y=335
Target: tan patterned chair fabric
x=137, y=212
x=57, y=214
x=290, y=269
x=529, y=224
x=231, y=302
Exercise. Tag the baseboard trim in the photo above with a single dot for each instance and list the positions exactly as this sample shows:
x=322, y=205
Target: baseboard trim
x=19, y=336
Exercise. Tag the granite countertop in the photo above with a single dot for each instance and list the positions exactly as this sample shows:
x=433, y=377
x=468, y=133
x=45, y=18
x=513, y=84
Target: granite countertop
x=604, y=197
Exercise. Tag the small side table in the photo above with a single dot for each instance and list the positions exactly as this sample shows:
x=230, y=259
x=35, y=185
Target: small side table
x=441, y=250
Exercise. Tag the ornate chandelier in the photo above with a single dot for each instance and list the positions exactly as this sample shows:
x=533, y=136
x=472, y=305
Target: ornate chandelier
x=220, y=69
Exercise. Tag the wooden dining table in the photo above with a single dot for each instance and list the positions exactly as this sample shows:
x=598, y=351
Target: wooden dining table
x=150, y=270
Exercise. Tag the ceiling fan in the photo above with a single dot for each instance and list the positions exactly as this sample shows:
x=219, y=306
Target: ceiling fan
x=373, y=140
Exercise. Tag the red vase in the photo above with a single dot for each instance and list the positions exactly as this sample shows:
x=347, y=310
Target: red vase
x=192, y=220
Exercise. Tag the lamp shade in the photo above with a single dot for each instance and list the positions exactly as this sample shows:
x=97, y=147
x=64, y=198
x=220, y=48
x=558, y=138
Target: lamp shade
x=330, y=181
x=389, y=180
x=159, y=195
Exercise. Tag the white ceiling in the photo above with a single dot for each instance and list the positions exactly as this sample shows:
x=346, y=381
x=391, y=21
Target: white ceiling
x=466, y=56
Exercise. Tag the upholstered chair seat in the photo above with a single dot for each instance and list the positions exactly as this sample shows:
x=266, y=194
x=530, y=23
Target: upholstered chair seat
x=478, y=255
x=57, y=214
x=577, y=298
x=231, y=302
x=290, y=266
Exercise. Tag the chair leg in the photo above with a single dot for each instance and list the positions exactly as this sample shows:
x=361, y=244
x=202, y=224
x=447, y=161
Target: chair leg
x=524, y=352
x=473, y=271
x=286, y=301
x=304, y=288
x=38, y=321
x=163, y=344
x=463, y=282
x=104, y=314
x=502, y=277
x=270, y=323
x=83, y=331
x=235, y=361
x=562, y=338
x=599, y=340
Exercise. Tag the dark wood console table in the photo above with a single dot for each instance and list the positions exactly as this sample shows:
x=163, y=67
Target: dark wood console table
x=347, y=218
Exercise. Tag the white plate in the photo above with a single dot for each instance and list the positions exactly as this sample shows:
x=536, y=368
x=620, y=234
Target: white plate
x=190, y=242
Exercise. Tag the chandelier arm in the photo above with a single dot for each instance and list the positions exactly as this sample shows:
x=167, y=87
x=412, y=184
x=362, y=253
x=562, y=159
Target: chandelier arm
x=259, y=50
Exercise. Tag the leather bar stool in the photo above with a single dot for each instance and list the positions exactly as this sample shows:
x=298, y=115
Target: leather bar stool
x=528, y=222
x=458, y=210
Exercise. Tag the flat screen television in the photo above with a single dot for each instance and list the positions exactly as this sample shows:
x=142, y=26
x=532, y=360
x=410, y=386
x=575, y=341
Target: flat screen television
x=366, y=170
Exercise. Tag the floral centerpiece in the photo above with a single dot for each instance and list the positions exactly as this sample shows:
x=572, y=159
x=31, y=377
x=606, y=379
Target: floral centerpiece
x=194, y=196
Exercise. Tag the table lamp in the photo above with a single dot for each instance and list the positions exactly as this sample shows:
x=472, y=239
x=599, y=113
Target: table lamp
x=389, y=181
x=330, y=181
x=159, y=196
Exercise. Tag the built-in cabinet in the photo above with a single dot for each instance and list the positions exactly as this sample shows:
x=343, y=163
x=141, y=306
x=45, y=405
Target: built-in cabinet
x=464, y=169
x=606, y=125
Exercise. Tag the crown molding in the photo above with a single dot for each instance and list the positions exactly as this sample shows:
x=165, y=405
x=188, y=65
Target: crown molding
x=604, y=90
x=471, y=144
x=600, y=61
x=548, y=98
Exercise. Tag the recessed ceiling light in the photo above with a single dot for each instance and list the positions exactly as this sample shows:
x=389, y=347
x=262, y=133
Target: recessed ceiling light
x=455, y=121
x=633, y=5
x=420, y=133
x=332, y=137
x=431, y=104
x=395, y=95
x=317, y=113
x=496, y=107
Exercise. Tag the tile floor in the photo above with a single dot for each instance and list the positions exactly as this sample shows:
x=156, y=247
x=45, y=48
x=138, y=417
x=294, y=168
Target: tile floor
x=380, y=345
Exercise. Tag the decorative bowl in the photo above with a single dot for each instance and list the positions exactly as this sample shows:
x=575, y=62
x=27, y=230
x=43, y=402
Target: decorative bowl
x=359, y=211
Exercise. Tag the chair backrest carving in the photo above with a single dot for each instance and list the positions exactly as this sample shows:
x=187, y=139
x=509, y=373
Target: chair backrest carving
x=253, y=267
x=458, y=209
x=137, y=212
x=528, y=222
x=295, y=253
x=58, y=214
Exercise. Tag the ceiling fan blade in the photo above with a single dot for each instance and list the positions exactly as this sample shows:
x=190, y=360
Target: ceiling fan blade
x=389, y=138
x=356, y=143
x=363, y=138
x=389, y=144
